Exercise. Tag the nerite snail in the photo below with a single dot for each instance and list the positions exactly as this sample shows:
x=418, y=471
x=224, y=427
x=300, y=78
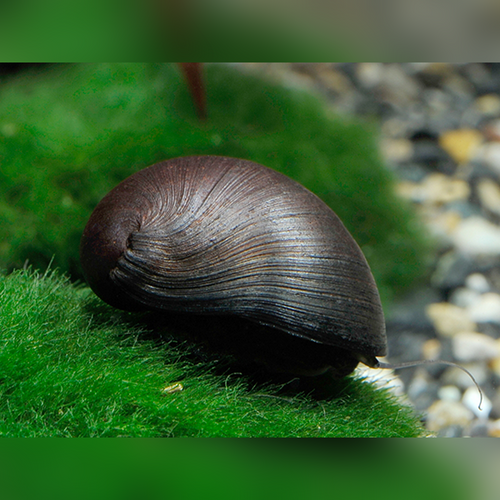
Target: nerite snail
x=223, y=236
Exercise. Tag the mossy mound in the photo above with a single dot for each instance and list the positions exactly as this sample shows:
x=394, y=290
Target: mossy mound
x=68, y=134
x=72, y=366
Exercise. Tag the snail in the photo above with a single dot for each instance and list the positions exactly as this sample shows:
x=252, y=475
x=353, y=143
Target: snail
x=209, y=235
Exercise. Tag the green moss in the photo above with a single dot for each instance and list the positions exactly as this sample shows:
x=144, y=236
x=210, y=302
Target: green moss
x=72, y=366
x=70, y=133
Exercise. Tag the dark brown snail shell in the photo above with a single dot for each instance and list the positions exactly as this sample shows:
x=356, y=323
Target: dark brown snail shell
x=211, y=235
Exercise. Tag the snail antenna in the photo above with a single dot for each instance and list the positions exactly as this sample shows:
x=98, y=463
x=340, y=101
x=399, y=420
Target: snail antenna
x=409, y=364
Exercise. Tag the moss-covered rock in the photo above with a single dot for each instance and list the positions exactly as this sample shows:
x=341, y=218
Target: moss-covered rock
x=72, y=366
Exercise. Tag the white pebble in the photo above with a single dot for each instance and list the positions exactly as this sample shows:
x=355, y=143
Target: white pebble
x=471, y=400
x=370, y=74
x=486, y=309
x=477, y=236
x=464, y=297
x=477, y=282
x=490, y=153
x=473, y=346
x=449, y=393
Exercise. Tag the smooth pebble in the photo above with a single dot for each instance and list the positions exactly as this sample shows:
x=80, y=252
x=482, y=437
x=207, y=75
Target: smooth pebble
x=477, y=282
x=443, y=414
x=449, y=393
x=477, y=236
x=449, y=319
x=473, y=346
x=486, y=309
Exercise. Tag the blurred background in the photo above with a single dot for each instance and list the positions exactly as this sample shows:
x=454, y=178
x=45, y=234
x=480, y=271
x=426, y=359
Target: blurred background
x=216, y=469
x=250, y=30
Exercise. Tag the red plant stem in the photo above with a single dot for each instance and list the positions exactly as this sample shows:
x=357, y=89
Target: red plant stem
x=194, y=78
